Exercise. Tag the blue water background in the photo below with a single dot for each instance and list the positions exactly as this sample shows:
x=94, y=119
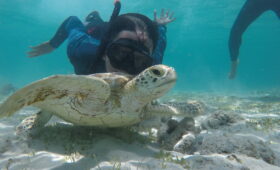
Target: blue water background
x=197, y=41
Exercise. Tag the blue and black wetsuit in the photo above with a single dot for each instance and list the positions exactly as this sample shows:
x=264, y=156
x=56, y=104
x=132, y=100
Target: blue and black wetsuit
x=82, y=47
x=251, y=10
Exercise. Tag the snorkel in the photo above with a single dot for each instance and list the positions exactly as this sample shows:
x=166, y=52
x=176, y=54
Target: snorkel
x=104, y=40
x=116, y=10
x=114, y=15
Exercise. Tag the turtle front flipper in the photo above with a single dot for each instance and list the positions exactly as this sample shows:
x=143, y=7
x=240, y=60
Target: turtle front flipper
x=33, y=122
x=160, y=109
x=56, y=93
x=187, y=109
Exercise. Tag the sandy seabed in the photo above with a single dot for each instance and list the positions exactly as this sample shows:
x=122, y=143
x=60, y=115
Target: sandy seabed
x=236, y=133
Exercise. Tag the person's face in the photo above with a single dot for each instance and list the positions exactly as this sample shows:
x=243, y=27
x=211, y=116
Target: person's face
x=138, y=35
x=109, y=67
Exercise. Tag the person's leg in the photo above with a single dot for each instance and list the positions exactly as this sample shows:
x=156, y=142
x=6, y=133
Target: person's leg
x=251, y=10
x=278, y=14
x=81, y=47
x=275, y=5
x=64, y=29
x=277, y=10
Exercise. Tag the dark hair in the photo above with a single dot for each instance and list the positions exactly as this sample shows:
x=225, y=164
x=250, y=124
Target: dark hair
x=125, y=22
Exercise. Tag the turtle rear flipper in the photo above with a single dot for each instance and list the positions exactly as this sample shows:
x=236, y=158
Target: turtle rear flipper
x=53, y=92
x=32, y=123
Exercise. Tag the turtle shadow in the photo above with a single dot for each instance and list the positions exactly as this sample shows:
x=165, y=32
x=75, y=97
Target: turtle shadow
x=87, y=146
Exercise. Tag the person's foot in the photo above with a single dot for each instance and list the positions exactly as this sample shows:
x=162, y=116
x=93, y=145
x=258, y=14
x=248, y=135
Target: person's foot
x=93, y=17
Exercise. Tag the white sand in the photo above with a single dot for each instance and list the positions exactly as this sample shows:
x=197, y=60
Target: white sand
x=241, y=145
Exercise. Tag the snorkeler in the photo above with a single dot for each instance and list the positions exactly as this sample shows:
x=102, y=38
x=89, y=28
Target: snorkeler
x=127, y=43
x=251, y=10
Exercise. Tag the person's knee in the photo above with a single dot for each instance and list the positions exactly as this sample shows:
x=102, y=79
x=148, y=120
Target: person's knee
x=74, y=23
x=73, y=18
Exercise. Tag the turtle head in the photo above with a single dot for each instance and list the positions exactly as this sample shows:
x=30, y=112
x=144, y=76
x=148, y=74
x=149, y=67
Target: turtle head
x=149, y=85
x=155, y=81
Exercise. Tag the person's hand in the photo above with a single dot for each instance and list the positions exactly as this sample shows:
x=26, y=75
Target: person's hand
x=164, y=18
x=233, y=69
x=40, y=49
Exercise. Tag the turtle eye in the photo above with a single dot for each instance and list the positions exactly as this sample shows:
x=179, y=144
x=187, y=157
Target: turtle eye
x=157, y=72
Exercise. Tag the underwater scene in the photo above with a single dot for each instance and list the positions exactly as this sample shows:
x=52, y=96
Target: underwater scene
x=206, y=94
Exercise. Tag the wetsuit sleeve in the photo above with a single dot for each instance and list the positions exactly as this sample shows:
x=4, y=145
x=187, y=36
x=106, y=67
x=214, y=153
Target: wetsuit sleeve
x=61, y=34
x=250, y=11
x=161, y=45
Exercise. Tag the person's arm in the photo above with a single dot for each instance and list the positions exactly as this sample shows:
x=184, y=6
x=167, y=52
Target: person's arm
x=249, y=12
x=59, y=37
x=161, y=45
x=162, y=21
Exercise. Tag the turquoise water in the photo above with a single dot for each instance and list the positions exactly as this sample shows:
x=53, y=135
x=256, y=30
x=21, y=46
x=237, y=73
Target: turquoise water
x=197, y=41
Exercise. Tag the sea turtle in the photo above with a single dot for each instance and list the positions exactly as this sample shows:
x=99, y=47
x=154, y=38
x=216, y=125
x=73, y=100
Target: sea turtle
x=102, y=99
